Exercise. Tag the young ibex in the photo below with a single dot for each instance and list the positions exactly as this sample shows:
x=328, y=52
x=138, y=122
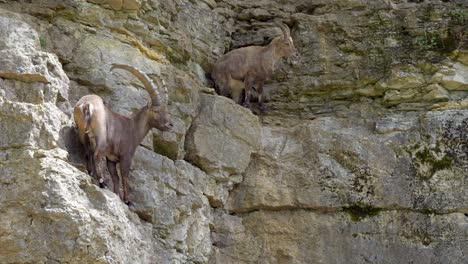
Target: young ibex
x=242, y=68
x=107, y=134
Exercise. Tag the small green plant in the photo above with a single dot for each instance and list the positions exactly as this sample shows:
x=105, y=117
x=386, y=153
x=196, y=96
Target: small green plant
x=359, y=211
x=458, y=26
x=43, y=42
x=458, y=17
x=427, y=42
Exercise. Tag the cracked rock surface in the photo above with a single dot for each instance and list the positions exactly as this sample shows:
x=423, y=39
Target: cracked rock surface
x=361, y=157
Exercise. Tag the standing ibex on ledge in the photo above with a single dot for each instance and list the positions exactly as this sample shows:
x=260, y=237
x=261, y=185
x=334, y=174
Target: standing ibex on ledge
x=107, y=134
x=245, y=67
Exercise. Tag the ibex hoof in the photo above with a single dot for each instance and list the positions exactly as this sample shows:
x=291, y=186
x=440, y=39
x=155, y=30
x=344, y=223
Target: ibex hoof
x=263, y=108
x=246, y=105
x=130, y=205
x=102, y=184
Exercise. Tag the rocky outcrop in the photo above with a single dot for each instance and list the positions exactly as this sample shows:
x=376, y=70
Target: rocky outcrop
x=344, y=187
x=50, y=210
x=362, y=156
x=303, y=236
x=234, y=133
x=396, y=162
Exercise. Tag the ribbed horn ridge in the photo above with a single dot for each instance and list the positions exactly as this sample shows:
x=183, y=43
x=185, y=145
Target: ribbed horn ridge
x=161, y=83
x=147, y=82
x=166, y=93
x=284, y=28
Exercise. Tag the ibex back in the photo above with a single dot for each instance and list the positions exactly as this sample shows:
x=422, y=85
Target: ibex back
x=105, y=133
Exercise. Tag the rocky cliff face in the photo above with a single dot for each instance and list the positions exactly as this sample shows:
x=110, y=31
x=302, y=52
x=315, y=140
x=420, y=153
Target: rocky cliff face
x=361, y=157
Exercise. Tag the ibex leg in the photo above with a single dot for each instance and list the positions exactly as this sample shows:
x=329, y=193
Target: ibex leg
x=260, y=96
x=247, y=86
x=89, y=156
x=112, y=168
x=124, y=170
x=98, y=155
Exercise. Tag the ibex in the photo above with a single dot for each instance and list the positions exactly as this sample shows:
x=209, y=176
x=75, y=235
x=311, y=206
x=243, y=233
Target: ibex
x=105, y=133
x=242, y=68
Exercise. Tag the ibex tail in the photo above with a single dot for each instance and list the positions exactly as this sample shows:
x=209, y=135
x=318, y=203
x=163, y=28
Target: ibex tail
x=88, y=114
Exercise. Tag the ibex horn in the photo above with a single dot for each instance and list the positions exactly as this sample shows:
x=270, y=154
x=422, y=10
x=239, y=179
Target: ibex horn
x=161, y=83
x=285, y=29
x=147, y=82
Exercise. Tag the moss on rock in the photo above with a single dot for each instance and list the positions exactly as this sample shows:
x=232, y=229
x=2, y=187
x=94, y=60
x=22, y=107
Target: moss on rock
x=359, y=211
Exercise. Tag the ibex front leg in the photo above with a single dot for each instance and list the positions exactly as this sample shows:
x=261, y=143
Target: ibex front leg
x=125, y=163
x=260, y=96
x=112, y=168
x=247, y=86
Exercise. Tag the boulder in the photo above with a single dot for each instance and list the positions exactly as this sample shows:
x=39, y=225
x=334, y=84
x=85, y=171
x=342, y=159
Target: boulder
x=223, y=137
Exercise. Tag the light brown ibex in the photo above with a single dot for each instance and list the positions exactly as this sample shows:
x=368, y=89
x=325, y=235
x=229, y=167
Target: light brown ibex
x=242, y=68
x=105, y=133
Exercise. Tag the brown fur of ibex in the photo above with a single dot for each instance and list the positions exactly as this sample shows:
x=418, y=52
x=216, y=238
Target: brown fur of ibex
x=243, y=68
x=105, y=133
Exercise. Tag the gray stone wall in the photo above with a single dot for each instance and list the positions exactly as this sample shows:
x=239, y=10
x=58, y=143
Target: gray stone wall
x=360, y=158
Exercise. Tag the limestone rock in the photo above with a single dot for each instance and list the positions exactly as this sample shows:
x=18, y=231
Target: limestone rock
x=454, y=78
x=223, y=137
x=435, y=93
x=463, y=57
x=402, y=78
x=119, y=4
x=394, y=97
x=131, y=4
x=16, y=33
x=52, y=212
x=22, y=60
x=169, y=195
x=26, y=125
x=313, y=166
x=348, y=165
x=287, y=237
x=310, y=173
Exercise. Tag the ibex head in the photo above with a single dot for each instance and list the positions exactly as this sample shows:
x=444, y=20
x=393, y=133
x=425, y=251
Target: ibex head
x=284, y=44
x=160, y=117
x=158, y=112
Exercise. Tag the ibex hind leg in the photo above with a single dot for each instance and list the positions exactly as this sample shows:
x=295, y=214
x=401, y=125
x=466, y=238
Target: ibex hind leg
x=89, y=156
x=238, y=96
x=98, y=156
x=237, y=90
x=225, y=89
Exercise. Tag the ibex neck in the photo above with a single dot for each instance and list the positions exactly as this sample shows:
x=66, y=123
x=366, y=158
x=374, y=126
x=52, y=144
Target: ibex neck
x=141, y=124
x=271, y=56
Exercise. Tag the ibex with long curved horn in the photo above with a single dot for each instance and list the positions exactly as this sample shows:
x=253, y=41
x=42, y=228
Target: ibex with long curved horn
x=105, y=133
x=242, y=68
